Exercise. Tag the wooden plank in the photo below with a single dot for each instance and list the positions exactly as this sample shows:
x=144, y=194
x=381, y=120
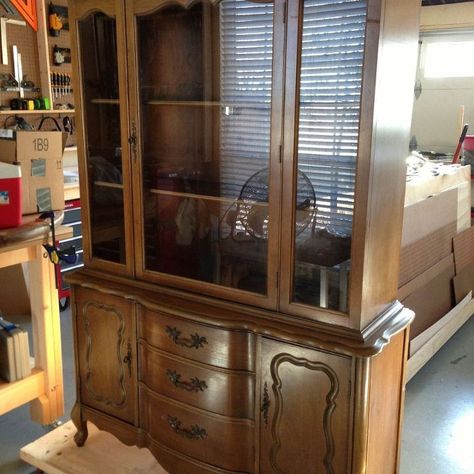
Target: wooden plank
x=47, y=338
x=43, y=51
x=56, y=453
x=460, y=15
x=463, y=245
x=14, y=257
x=420, y=340
x=464, y=282
x=15, y=394
x=425, y=217
x=428, y=350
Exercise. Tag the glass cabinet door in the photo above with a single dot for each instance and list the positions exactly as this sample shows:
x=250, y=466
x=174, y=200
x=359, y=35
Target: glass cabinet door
x=101, y=116
x=328, y=94
x=205, y=112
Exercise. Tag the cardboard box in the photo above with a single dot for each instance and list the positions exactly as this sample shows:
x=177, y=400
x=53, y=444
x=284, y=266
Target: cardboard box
x=432, y=299
x=455, y=177
x=40, y=154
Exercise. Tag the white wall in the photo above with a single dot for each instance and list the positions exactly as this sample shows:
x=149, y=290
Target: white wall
x=437, y=117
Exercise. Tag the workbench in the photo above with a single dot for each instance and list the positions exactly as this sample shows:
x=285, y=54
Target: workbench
x=44, y=387
x=57, y=453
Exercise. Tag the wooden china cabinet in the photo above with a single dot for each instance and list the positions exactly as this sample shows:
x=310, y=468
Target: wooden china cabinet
x=242, y=174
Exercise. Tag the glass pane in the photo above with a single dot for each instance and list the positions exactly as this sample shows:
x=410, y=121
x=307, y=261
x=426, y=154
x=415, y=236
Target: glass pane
x=205, y=98
x=97, y=35
x=333, y=38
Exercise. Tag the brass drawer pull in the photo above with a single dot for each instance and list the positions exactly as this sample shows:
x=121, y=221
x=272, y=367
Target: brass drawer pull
x=194, y=385
x=265, y=404
x=194, y=433
x=195, y=340
x=128, y=359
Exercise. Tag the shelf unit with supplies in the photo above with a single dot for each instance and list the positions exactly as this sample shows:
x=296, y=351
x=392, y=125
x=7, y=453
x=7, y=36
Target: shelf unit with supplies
x=50, y=82
x=72, y=219
x=44, y=386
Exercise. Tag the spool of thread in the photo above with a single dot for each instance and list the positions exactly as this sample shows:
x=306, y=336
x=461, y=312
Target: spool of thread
x=15, y=104
x=37, y=103
x=46, y=103
x=31, y=104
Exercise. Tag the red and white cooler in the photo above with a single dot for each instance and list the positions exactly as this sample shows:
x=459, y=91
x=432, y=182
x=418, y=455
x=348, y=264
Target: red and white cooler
x=10, y=195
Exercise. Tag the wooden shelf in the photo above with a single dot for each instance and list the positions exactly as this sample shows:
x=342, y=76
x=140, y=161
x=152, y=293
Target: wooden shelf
x=209, y=103
x=106, y=101
x=22, y=391
x=106, y=184
x=37, y=112
x=204, y=197
x=186, y=103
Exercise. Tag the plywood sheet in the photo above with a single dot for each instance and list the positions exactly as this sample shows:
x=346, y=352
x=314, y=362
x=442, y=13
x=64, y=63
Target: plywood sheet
x=425, y=217
x=421, y=255
x=431, y=302
x=463, y=245
x=425, y=277
x=454, y=320
x=464, y=282
x=422, y=187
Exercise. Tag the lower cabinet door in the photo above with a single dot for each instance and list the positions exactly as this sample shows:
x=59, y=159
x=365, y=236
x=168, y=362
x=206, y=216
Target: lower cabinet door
x=305, y=410
x=106, y=347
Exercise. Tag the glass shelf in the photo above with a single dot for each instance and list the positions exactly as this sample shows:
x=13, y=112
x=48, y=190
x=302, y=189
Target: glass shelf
x=206, y=197
x=185, y=103
x=106, y=184
x=105, y=101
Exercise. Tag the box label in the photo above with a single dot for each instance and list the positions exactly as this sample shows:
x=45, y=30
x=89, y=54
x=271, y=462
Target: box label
x=4, y=198
x=43, y=199
x=38, y=167
x=41, y=144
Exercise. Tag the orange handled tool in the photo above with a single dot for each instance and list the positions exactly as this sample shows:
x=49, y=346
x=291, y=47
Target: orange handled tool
x=461, y=140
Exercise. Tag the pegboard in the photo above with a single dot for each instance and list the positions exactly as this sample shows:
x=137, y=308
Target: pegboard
x=24, y=37
x=63, y=41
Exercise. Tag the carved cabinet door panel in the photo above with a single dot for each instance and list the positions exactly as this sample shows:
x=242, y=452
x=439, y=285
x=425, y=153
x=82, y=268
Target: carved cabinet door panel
x=106, y=347
x=305, y=410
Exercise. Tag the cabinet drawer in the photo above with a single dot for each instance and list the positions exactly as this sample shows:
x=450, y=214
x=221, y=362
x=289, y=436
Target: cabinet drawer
x=76, y=228
x=210, y=345
x=75, y=242
x=72, y=215
x=213, y=439
x=223, y=392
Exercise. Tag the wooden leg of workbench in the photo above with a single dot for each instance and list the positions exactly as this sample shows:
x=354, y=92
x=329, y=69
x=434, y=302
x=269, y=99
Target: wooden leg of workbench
x=47, y=338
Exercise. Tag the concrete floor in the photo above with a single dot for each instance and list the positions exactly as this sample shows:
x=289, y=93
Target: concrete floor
x=438, y=435
x=439, y=414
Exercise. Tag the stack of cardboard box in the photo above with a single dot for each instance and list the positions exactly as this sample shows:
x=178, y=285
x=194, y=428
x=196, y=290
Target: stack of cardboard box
x=437, y=256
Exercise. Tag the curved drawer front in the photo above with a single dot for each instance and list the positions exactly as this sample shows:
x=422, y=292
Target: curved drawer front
x=177, y=463
x=217, y=390
x=210, y=345
x=216, y=440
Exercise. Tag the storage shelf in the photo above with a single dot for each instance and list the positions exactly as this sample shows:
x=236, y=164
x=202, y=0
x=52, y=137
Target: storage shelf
x=37, y=112
x=15, y=394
